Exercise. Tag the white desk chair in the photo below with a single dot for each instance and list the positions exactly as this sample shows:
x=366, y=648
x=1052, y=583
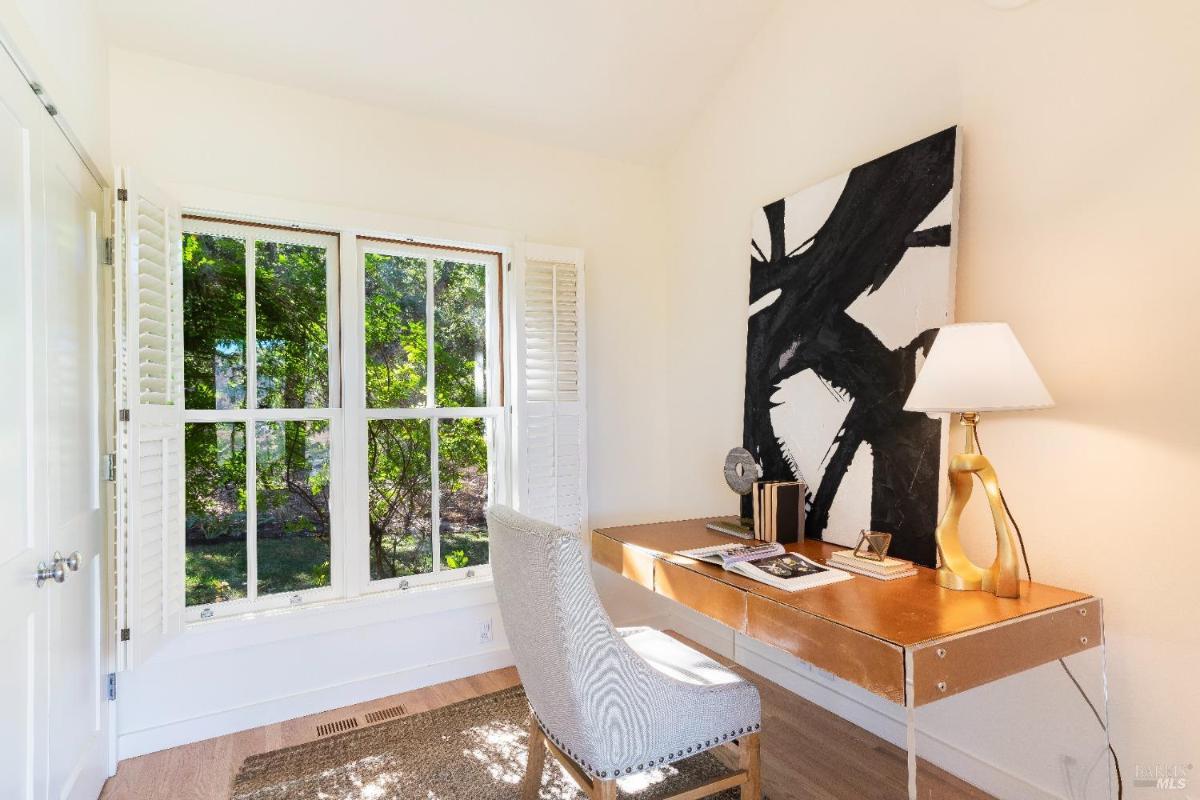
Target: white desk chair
x=608, y=702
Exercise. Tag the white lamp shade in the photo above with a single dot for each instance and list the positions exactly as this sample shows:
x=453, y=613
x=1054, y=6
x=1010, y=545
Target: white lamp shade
x=977, y=366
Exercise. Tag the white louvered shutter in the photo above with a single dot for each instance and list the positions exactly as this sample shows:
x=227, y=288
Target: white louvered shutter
x=150, y=580
x=551, y=422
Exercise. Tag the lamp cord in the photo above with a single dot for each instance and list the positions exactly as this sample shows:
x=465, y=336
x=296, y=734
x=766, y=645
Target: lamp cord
x=1062, y=663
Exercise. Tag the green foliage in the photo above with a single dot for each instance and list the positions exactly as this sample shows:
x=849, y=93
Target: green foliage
x=291, y=316
x=460, y=333
x=394, y=330
x=214, y=321
x=215, y=491
x=217, y=571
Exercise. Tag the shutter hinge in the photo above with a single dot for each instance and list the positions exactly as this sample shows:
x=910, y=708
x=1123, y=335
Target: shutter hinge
x=109, y=250
x=123, y=195
x=123, y=415
x=108, y=467
x=112, y=686
x=124, y=634
x=508, y=267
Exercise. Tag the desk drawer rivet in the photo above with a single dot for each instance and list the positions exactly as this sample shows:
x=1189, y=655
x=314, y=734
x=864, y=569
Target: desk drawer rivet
x=1083, y=640
x=941, y=652
x=941, y=686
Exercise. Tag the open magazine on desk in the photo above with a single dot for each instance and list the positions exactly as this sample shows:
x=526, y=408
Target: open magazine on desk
x=770, y=564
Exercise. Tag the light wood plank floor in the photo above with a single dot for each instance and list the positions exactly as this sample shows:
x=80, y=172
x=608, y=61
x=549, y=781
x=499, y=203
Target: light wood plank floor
x=808, y=753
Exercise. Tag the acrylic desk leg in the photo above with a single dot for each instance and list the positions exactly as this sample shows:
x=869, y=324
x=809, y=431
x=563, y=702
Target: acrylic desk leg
x=1113, y=788
x=910, y=723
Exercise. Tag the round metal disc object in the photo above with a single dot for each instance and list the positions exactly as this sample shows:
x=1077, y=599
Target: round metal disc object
x=741, y=471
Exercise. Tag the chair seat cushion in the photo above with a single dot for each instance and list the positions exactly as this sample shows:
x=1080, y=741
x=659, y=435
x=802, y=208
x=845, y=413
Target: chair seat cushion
x=675, y=659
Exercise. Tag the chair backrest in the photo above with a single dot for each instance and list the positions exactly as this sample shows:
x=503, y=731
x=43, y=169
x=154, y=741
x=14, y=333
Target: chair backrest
x=574, y=665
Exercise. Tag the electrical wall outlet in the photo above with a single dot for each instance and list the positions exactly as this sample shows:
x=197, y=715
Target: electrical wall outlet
x=485, y=631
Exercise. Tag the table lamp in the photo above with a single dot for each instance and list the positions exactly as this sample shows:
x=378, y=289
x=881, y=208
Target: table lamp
x=971, y=368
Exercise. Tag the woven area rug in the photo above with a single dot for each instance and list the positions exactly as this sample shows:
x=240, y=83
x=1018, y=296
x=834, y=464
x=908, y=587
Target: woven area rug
x=473, y=750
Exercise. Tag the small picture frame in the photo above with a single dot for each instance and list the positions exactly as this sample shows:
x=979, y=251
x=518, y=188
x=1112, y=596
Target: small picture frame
x=872, y=545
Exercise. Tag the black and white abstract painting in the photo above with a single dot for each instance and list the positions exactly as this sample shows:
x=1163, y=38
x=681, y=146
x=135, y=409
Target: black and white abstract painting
x=849, y=281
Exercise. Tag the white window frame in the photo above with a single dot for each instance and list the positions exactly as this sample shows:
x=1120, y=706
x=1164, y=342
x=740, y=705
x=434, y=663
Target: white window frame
x=252, y=414
x=358, y=415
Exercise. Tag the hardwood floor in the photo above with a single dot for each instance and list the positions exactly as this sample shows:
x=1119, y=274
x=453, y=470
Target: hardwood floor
x=807, y=752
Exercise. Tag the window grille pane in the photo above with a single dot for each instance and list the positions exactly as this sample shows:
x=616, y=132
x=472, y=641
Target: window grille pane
x=460, y=334
x=214, y=321
x=292, y=461
x=396, y=345
x=215, y=527
x=291, y=325
x=399, y=499
x=463, y=491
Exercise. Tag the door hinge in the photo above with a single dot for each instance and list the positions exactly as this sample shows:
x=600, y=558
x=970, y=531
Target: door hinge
x=123, y=415
x=110, y=253
x=108, y=467
x=124, y=634
x=122, y=195
x=112, y=686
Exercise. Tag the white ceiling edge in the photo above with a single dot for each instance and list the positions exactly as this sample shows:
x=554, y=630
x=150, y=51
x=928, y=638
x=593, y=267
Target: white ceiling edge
x=621, y=79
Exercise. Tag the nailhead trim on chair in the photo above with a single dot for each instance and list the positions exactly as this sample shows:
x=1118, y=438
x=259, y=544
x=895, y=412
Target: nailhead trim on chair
x=668, y=758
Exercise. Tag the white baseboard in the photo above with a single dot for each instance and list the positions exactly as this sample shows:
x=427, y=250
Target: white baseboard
x=280, y=709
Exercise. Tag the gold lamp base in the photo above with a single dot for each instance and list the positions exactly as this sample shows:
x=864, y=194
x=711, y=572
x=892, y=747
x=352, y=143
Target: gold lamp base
x=957, y=571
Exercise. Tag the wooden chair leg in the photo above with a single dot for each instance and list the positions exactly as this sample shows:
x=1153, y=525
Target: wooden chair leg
x=604, y=790
x=531, y=784
x=749, y=760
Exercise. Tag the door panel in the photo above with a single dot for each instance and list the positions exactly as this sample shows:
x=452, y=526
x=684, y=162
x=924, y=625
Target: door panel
x=22, y=540
x=78, y=708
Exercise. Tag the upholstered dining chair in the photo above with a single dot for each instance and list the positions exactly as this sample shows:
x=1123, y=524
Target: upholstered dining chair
x=609, y=702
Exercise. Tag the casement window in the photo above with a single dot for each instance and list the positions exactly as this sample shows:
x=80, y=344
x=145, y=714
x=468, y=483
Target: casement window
x=313, y=416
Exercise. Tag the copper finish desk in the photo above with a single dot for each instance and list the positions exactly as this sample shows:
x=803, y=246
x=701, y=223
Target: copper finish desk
x=909, y=640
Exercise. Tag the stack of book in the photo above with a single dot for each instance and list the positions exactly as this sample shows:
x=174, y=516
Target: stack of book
x=887, y=570
x=779, y=511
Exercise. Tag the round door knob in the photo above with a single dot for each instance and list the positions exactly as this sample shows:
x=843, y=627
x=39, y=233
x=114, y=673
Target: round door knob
x=72, y=561
x=56, y=572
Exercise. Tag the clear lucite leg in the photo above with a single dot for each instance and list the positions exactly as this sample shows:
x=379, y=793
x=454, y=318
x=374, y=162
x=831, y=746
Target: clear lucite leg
x=910, y=723
x=1042, y=732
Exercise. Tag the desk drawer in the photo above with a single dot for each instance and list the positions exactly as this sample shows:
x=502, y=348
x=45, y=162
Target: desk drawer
x=724, y=603
x=632, y=562
x=857, y=657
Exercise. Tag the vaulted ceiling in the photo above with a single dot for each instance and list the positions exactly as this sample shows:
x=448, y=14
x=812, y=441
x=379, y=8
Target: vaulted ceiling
x=622, y=78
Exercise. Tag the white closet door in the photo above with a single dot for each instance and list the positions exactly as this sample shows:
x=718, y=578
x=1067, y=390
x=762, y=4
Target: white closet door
x=56, y=720
x=80, y=647
x=550, y=411
x=23, y=537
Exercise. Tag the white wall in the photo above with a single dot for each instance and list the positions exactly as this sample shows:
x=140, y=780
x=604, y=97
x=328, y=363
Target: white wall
x=231, y=144
x=62, y=41
x=1080, y=196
